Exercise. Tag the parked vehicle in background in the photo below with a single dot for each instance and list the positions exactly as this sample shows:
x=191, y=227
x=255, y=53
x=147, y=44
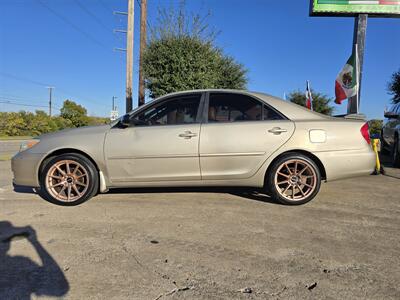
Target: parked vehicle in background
x=391, y=134
x=200, y=138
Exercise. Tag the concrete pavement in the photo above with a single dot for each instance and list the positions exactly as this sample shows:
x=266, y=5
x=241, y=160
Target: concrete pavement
x=205, y=244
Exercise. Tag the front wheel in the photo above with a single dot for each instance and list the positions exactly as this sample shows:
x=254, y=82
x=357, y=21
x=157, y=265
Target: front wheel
x=68, y=179
x=293, y=179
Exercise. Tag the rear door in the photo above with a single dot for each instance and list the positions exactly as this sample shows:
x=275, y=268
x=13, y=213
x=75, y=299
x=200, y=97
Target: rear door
x=239, y=134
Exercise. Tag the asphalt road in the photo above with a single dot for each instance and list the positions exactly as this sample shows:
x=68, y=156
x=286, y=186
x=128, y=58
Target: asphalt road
x=203, y=244
x=9, y=147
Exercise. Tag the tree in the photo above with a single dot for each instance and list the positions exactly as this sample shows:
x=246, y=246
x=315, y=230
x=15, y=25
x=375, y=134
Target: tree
x=11, y=123
x=181, y=56
x=320, y=101
x=375, y=126
x=394, y=87
x=75, y=113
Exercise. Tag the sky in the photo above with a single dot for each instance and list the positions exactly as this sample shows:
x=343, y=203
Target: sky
x=69, y=45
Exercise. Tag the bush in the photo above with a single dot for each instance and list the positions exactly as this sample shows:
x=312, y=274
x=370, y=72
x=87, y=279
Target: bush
x=25, y=123
x=375, y=126
x=182, y=55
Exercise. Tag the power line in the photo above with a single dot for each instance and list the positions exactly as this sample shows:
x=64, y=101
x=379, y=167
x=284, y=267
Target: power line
x=9, y=97
x=63, y=91
x=106, y=7
x=24, y=104
x=77, y=28
x=23, y=79
x=16, y=101
x=93, y=16
x=19, y=100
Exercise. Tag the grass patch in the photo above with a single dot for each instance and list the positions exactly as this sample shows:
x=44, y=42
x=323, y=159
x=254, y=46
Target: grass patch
x=15, y=138
x=6, y=156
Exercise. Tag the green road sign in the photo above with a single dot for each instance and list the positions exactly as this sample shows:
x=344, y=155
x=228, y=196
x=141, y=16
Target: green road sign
x=379, y=8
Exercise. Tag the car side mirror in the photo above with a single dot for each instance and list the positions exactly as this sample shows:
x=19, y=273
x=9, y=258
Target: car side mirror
x=391, y=115
x=125, y=121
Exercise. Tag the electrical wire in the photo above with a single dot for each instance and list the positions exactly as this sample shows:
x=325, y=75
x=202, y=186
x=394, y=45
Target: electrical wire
x=77, y=28
x=63, y=91
x=25, y=104
x=106, y=7
x=93, y=16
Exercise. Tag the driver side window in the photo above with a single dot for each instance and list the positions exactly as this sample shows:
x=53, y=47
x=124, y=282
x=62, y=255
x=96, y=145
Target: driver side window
x=174, y=111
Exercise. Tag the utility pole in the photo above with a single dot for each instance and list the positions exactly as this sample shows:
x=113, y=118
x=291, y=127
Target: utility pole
x=113, y=102
x=129, y=51
x=50, y=97
x=143, y=23
x=129, y=55
x=360, y=29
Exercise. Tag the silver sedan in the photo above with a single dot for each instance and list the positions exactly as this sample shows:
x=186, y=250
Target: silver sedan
x=200, y=138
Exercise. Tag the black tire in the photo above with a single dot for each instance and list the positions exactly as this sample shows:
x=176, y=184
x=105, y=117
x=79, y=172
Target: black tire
x=396, y=153
x=289, y=158
x=92, y=177
x=384, y=146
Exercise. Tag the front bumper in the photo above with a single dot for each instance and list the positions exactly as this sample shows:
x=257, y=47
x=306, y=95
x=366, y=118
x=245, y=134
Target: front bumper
x=25, y=168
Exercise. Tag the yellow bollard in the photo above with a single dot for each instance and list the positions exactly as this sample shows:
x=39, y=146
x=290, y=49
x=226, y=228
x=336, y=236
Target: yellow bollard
x=375, y=143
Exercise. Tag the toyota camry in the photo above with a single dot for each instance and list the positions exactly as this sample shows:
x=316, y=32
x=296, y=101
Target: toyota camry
x=200, y=138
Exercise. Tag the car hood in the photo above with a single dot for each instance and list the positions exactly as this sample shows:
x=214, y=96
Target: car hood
x=81, y=131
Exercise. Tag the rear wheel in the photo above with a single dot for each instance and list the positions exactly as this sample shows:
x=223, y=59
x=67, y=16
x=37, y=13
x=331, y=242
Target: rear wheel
x=68, y=180
x=293, y=179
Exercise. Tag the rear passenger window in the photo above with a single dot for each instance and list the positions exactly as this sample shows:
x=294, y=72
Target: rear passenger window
x=270, y=114
x=233, y=108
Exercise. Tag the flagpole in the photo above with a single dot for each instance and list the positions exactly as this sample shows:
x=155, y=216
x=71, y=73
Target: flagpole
x=357, y=78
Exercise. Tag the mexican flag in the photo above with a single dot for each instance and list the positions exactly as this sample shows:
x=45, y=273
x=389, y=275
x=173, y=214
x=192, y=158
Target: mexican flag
x=346, y=84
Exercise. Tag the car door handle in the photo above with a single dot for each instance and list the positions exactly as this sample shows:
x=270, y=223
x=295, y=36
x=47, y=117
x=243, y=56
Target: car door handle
x=188, y=135
x=277, y=130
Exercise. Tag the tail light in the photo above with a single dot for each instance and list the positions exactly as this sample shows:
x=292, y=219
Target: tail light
x=365, y=132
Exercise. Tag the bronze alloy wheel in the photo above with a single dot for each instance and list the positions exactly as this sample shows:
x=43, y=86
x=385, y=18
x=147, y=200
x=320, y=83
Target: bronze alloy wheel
x=67, y=180
x=295, y=180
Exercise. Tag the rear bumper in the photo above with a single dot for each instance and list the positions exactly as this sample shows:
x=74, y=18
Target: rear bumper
x=347, y=163
x=25, y=168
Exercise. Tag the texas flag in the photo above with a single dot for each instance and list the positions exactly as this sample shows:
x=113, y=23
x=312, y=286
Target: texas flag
x=309, y=98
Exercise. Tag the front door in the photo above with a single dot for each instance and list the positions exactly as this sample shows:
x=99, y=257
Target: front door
x=241, y=133
x=161, y=145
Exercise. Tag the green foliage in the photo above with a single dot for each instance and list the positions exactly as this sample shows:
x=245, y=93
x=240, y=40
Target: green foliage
x=76, y=113
x=394, y=87
x=181, y=56
x=321, y=102
x=33, y=124
x=172, y=23
x=375, y=126
x=11, y=123
x=93, y=121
